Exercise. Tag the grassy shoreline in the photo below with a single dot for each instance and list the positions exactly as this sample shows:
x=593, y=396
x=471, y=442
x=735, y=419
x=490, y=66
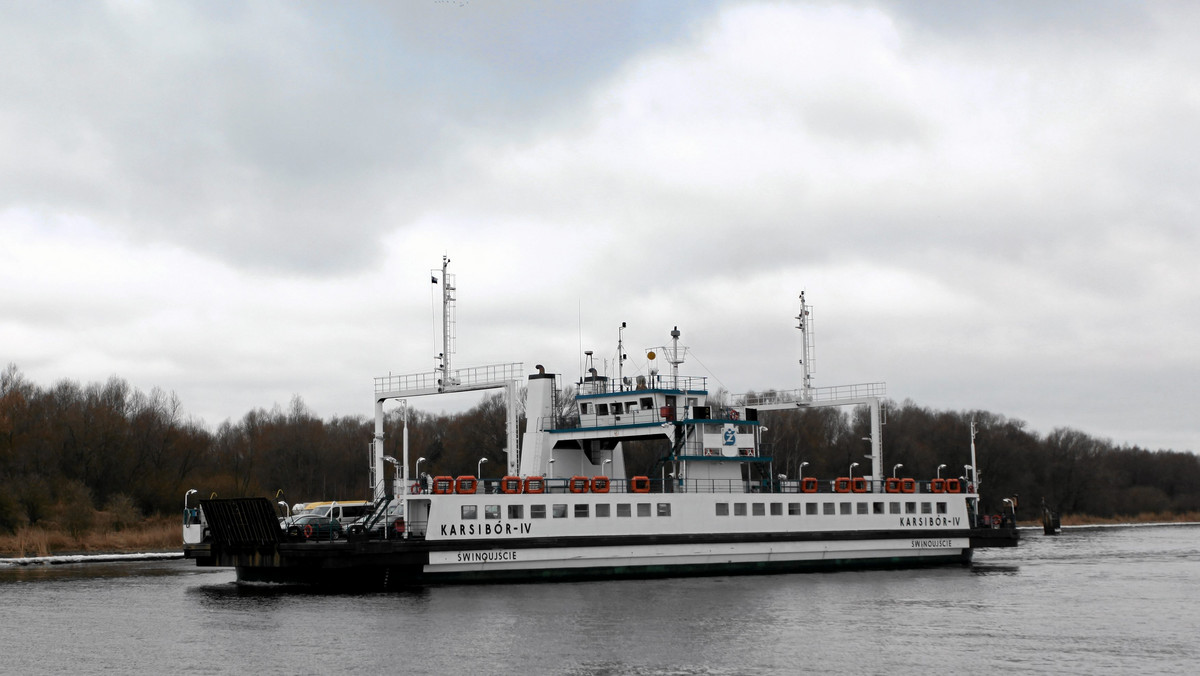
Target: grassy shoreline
x=156, y=534
x=163, y=534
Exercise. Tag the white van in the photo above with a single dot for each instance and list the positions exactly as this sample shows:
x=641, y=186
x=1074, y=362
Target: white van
x=345, y=512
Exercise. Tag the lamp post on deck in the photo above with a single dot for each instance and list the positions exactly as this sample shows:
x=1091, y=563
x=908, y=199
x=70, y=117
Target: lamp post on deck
x=939, y=470
x=551, y=464
x=479, y=468
x=604, y=467
x=852, y=466
x=896, y=467
x=800, y=471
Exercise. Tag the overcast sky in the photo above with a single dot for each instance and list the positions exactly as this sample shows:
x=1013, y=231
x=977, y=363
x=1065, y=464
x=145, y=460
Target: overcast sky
x=989, y=205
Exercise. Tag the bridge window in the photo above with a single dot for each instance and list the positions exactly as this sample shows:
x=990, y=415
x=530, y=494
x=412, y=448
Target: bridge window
x=647, y=403
x=617, y=408
x=601, y=409
x=584, y=408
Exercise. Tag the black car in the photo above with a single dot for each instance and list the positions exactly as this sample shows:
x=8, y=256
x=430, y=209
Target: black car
x=315, y=527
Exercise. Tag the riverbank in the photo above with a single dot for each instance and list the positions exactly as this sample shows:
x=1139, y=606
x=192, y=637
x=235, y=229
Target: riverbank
x=156, y=534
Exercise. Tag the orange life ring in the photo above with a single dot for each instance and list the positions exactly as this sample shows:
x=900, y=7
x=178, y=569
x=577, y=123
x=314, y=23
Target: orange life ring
x=841, y=484
x=892, y=485
x=858, y=485
x=599, y=484
x=953, y=486
x=466, y=484
x=808, y=485
x=578, y=484
x=640, y=484
x=398, y=524
x=308, y=530
x=535, y=484
x=937, y=486
x=908, y=485
x=510, y=484
x=415, y=487
x=443, y=485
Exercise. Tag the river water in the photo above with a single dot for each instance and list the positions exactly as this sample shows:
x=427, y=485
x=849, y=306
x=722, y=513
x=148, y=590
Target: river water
x=1122, y=600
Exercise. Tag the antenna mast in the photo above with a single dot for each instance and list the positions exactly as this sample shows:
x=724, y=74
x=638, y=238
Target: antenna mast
x=447, y=322
x=803, y=322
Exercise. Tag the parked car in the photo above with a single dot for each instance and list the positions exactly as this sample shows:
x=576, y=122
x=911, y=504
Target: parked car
x=315, y=527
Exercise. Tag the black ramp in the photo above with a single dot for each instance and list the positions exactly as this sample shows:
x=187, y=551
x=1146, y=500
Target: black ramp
x=242, y=522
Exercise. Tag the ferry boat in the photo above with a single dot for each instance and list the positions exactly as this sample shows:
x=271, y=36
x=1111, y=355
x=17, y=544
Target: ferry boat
x=566, y=509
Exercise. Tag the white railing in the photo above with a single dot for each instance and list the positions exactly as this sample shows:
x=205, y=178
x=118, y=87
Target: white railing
x=473, y=378
x=814, y=395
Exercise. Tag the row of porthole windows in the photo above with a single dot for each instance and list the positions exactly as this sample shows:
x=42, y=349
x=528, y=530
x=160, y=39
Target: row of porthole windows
x=829, y=508
x=561, y=510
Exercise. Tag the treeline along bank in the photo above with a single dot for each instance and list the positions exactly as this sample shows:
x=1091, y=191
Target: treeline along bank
x=71, y=450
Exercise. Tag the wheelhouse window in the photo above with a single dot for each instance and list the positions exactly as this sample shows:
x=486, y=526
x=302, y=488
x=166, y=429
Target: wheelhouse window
x=584, y=408
x=601, y=409
x=617, y=408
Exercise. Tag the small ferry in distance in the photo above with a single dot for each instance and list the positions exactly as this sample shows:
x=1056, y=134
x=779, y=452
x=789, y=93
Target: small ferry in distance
x=567, y=509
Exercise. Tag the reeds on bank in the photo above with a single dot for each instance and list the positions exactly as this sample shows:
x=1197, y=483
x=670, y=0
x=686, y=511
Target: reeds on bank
x=154, y=534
